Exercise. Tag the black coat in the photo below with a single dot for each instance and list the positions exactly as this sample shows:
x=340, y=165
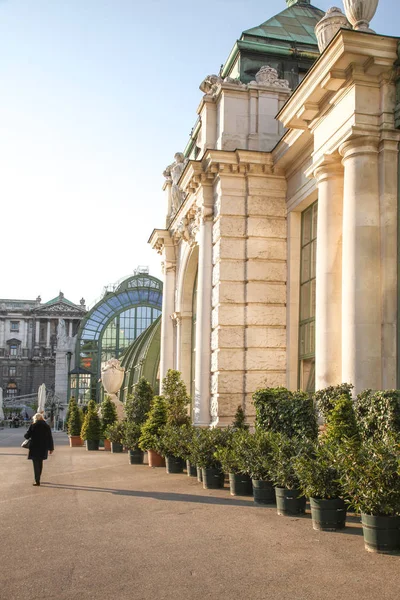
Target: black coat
x=41, y=440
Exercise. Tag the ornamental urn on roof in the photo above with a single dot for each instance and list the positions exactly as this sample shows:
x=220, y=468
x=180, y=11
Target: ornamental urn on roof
x=360, y=13
x=329, y=25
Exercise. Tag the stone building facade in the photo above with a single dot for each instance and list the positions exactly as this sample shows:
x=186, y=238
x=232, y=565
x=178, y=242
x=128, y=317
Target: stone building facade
x=37, y=345
x=280, y=246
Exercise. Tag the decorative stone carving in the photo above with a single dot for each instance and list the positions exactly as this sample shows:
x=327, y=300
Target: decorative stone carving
x=360, y=13
x=327, y=28
x=61, y=332
x=268, y=76
x=212, y=83
x=173, y=174
x=112, y=376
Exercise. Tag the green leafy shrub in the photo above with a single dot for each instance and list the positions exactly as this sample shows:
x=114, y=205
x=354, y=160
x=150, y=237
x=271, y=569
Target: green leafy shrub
x=370, y=476
x=75, y=420
x=341, y=422
x=378, y=414
x=176, y=398
x=156, y=419
x=108, y=413
x=285, y=451
x=206, y=444
x=290, y=413
x=71, y=403
x=137, y=404
x=91, y=428
x=131, y=435
x=239, y=421
x=174, y=440
x=317, y=472
x=326, y=399
x=254, y=454
x=115, y=432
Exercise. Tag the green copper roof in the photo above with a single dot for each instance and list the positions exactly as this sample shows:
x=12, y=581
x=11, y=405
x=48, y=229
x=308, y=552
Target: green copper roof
x=295, y=24
x=58, y=299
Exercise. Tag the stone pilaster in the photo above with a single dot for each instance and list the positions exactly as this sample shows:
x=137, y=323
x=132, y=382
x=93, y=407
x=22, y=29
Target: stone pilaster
x=361, y=282
x=328, y=337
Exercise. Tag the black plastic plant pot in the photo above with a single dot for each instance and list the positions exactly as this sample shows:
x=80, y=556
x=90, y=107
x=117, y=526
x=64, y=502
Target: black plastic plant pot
x=174, y=464
x=136, y=457
x=263, y=492
x=199, y=474
x=289, y=502
x=381, y=534
x=328, y=514
x=191, y=469
x=213, y=479
x=240, y=485
x=116, y=447
x=92, y=444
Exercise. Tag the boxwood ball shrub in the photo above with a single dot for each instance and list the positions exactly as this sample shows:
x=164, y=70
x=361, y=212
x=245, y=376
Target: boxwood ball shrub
x=91, y=428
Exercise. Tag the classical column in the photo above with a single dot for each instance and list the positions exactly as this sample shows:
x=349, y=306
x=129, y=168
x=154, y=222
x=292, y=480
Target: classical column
x=328, y=317
x=2, y=324
x=203, y=322
x=184, y=348
x=361, y=289
x=167, y=324
x=70, y=328
x=37, y=332
x=48, y=334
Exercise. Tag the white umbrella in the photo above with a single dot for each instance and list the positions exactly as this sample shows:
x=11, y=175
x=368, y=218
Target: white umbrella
x=1, y=405
x=41, y=398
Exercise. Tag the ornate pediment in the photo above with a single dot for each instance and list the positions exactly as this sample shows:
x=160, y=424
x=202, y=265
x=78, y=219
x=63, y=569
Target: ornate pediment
x=60, y=308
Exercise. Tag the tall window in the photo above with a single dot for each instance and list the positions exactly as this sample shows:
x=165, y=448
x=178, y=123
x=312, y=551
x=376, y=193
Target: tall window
x=12, y=371
x=14, y=326
x=307, y=298
x=13, y=350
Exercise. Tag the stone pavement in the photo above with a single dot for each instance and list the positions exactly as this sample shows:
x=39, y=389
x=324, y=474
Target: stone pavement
x=101, y=528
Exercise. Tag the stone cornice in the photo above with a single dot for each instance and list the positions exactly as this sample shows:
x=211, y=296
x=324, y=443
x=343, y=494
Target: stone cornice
x=161, y=241
x=350, y=55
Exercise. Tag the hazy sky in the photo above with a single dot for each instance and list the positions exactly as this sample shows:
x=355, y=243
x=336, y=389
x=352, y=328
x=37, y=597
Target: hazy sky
x=96, y=96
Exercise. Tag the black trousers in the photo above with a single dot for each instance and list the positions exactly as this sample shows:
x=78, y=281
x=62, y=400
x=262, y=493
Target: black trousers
x=37, y=468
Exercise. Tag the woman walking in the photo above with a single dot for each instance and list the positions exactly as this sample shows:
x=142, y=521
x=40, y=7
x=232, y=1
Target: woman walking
x=41, y=444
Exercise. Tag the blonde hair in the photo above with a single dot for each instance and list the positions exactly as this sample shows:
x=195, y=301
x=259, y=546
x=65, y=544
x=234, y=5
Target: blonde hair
x=38, y=417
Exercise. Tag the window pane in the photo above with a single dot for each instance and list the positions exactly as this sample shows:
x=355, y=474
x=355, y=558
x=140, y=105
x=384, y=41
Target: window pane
x=306, y=263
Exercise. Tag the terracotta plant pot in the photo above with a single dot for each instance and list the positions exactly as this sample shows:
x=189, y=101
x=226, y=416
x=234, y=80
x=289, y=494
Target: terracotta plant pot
x=155, y=459
x=107, y=445
x=75, y=441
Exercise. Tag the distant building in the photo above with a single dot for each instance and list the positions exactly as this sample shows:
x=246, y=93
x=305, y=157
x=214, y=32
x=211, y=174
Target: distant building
x=36, y=344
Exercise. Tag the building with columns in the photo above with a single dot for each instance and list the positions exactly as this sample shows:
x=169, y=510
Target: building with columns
x=36, y=344
x=280, y=249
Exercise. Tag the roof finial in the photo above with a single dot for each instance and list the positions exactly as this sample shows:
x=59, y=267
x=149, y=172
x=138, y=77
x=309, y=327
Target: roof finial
x=291, y=2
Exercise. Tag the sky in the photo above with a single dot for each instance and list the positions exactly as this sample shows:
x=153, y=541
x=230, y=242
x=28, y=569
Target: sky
x=96, y=96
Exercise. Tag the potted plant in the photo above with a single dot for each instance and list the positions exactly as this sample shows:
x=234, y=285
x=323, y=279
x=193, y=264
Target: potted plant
x=74, y=425
x=228, y=456
x=206, y=444
x=115, y=433
x=370, y=477
x=137, y=404
x=91, y=428
x=172, y=445
x=289, y=498
x=318, y=478
x=151, y=431
x=131, y=437
x=108, y=417
x=176, y=398
x=254, y=457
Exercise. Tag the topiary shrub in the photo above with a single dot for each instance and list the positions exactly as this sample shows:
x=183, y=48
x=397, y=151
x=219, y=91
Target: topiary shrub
x=137, y=404
x=176, y=398
x=341, y=423
x=131, y=435
x=289, y=413
x=378, y=414
x=151, y=430
x=239, y=421
x=71, y=403
x=91, y=428
x=108, y=414
x=75, y=420
x=326, y=399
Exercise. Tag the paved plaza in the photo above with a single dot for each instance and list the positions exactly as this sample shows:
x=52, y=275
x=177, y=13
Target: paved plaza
x=101, y=528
